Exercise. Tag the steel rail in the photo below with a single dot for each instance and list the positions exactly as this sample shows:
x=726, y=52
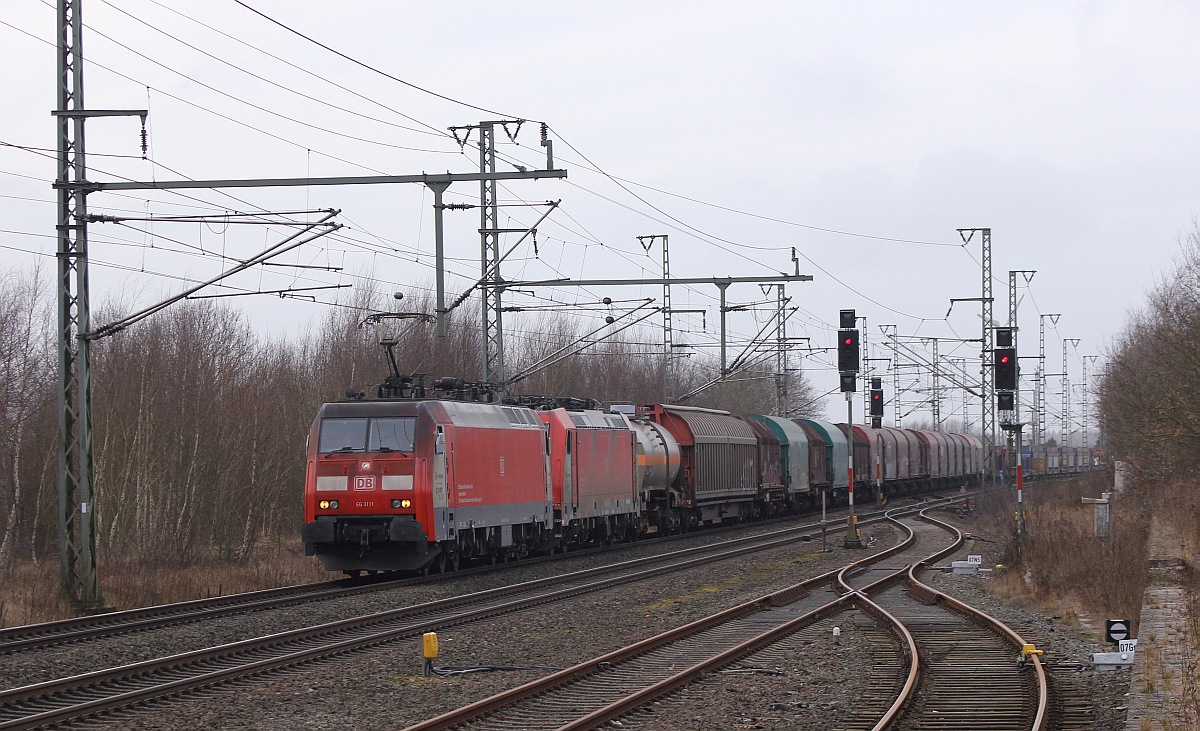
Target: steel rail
x=30, y=636
x=242, y=653
x=843, y=576
x=599, y=664
x=933, y=596
x=667, y=685
x=905, y=638
x=909, y=642
x=47, y=634
x=484, y=707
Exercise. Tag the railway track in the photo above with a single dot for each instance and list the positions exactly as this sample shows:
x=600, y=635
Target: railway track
x=926, y=652
x=36, y=636
x=94, y=694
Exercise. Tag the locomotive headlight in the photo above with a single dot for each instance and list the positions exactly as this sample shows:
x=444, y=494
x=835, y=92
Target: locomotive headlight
x=395, y=504
x=406, y=503
x=333, y=504
x=323, y=505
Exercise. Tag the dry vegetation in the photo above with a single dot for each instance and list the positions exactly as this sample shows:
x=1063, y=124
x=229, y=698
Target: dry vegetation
x=200, y=426
x=1191, y=660
x=1060, y=565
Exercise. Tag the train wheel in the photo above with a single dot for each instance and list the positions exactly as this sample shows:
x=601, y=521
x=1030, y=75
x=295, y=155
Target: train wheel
x=353, y=573
x=454, y=563
x=439, y=563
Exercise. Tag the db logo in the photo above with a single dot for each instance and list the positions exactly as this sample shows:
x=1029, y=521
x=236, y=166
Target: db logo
x=364, y=482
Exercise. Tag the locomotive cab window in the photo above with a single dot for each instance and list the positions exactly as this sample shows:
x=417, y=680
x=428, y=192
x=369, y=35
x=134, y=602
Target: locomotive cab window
x=392, y=435
x=342, y=435
x=367, y=435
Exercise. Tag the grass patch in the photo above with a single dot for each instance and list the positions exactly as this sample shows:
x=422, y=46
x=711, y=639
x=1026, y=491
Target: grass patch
x=763, y=570
x=664, y=603
x=29, y=592
x=1060, y=565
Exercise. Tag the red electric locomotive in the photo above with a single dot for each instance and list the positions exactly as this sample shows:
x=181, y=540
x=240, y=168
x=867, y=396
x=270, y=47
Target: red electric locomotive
x=395, y=484
x=592, y=468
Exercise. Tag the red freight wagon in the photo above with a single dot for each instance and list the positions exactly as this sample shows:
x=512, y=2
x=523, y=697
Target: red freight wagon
x=907, y=459
x=409, y=484
x=770, y=465
x=593, y=472
x=958, y=455
x=891, y=453
x=935, y=454
x=974, y=454
x=876, y=455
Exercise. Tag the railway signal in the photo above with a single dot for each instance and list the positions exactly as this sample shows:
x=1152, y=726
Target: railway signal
x=876, y=397
x=1006, y=369
x=848, y=351
x=848, y=377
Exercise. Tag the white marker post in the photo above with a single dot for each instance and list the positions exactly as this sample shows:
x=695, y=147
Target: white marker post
x=853, y=540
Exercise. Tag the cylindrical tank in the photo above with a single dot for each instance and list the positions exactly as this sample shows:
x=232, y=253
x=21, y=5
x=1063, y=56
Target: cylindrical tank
x=657, y=456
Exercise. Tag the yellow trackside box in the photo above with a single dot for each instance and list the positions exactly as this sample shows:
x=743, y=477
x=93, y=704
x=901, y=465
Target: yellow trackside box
x=431, y=645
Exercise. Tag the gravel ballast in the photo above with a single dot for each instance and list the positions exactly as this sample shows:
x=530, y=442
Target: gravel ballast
x=806, y=682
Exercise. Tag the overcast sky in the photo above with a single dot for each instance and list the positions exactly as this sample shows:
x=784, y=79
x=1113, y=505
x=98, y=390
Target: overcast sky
x=862, y=134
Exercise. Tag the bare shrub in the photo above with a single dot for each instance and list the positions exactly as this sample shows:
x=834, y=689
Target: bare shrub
x=30, y=594
x=1060, y=563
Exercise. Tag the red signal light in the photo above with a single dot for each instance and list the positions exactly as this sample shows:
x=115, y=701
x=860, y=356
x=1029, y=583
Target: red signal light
x=847, y=355
x=876, y=402
x=1006, y=369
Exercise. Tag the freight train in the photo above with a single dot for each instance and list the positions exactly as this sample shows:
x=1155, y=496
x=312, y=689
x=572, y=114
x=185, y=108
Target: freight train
x=1043, y=462
x=426, y=484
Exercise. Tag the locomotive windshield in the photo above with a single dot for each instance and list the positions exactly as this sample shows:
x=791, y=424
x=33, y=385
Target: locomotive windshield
x=392, y=435
x=367, y=435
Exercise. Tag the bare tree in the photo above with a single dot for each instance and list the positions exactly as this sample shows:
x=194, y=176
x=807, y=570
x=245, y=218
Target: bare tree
x=26, y=399
x=1148, y=391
